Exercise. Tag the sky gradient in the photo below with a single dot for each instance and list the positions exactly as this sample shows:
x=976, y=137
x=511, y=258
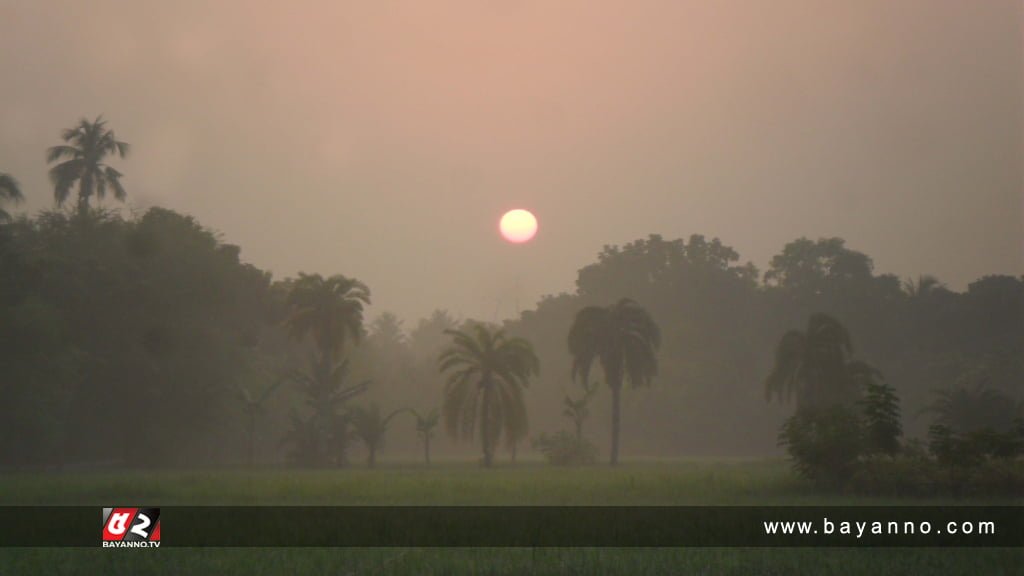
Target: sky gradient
x=384, y=140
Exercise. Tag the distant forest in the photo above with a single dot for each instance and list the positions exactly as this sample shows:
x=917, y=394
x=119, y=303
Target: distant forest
x=144, y=340
x=137, y=341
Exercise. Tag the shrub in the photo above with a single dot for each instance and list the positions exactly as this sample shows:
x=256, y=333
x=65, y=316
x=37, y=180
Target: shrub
x=881, y=410
x=823, y=443
x=564, y=449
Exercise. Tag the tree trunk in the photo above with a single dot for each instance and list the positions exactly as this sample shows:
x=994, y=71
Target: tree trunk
x=616, y=392
x=371, y=459
x=485, y=427
x=426, y=449
x=515, y=443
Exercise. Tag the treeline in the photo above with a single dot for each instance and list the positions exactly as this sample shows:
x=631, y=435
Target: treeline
x=721, y=320
x=146, y=341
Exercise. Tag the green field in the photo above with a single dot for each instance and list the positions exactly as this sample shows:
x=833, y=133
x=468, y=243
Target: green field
x=652, y=483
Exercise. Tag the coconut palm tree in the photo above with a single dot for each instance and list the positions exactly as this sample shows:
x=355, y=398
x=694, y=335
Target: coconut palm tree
x=81, y=162
x=487, y=372
x=624, y=339
x=922, y=287
x=425, y=425
x=814, y=366
x=10, y=191
x=370, y=426
x=331, y=309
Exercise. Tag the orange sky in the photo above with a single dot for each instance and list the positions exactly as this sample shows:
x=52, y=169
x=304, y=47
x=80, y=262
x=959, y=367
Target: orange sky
x=384, y=139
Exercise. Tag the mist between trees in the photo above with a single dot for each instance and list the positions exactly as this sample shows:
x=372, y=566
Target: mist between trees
x=144, y=340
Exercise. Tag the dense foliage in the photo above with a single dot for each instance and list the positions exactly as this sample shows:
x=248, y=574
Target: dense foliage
x=145, y=340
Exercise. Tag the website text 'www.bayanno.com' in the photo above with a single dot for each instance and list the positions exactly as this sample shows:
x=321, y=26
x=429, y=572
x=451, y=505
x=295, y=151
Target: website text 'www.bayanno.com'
x=862, y=528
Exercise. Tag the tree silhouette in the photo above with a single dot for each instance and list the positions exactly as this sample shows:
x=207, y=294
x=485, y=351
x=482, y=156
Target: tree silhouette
x=623, y=338
x=814, y=365
x=331, y=309
x=371, y=426
x=425, y=425
x=922, y=287
x=881, y=409
x=325, y=431
x=85, y=148
x=578, y=409
x=487, y=372
x=10, y=191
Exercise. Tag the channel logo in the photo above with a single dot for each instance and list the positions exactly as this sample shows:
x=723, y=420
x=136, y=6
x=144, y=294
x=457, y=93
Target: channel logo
x=131, y=528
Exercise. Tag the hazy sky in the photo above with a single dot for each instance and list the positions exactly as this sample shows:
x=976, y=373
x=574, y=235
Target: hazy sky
x=384, y=139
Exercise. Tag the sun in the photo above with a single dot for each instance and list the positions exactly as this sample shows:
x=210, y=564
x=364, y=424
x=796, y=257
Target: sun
x=518, y=226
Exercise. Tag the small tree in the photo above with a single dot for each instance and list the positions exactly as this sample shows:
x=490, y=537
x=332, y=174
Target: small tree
x=370, y=426
x=425, y=429
x=881, y=411
x=578, y=409
x=823, y=443
x=326, y=392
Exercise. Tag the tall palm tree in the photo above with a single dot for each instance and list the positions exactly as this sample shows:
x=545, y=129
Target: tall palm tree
x=624, y=339
x=814, y=366
x=487, y=372
x=10, y=191
x=331, y=309
x=81, y=162
x=425, y=425
x=371, y=427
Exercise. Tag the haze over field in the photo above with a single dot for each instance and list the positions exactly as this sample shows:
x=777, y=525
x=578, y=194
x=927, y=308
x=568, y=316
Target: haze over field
x=378, y=138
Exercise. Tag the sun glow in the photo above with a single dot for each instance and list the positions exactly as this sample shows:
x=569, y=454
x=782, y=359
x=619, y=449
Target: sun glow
x=518, y=226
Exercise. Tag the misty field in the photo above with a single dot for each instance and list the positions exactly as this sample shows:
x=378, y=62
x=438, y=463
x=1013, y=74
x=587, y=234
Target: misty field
x=760, y=482
x=649, y=483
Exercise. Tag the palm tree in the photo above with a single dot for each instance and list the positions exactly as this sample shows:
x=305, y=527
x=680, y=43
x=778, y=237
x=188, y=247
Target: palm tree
x=814, y=366
x=10, y=191
x=425, y=429
x=487, y=372
x=371, y=427
x=331, y=309
x=86, y=146
x=623, y=338
x=922, y=287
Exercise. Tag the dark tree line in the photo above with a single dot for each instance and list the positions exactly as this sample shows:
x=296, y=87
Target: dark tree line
x=146, y=340
x=721, y=321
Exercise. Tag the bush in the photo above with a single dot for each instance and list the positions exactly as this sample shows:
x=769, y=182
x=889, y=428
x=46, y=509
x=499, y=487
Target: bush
x=823, y=443
x=882, y=428
x=564, y=449
x=994, y=477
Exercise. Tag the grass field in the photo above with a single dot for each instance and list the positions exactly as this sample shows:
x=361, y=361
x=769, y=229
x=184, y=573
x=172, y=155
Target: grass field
x=652, y=483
